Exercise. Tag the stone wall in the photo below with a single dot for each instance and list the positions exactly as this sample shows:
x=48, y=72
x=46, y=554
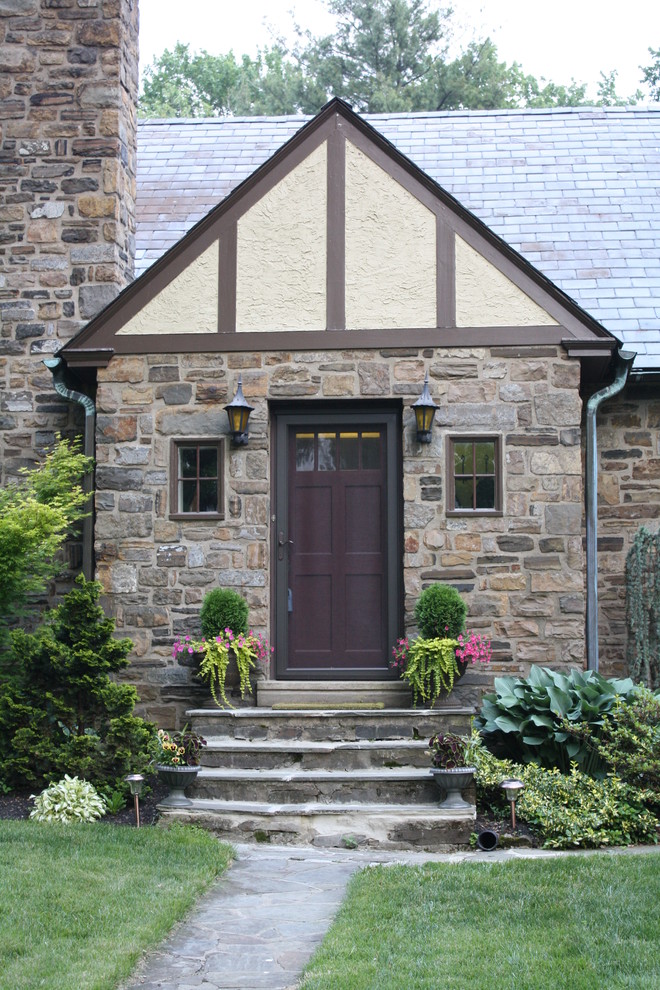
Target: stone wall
x=628, y=497
x=68, y=93
x=522, y=573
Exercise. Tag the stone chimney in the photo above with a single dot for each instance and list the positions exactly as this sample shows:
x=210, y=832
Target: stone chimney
x=68, y=134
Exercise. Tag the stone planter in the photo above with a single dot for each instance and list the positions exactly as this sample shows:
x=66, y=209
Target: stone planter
x=453, y=782
x=177, y=779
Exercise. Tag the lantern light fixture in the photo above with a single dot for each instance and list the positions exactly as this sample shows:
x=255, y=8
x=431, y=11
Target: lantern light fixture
x=135, y=782
x=238, y=413
x=512, y=788
x=424, y=410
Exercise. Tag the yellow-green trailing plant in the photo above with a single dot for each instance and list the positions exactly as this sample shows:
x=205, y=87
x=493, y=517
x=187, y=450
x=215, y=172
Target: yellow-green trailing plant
x=431, y=667
x=216, y=653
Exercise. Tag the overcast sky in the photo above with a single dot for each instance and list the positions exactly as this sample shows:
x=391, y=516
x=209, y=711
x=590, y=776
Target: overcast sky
x=558, y=39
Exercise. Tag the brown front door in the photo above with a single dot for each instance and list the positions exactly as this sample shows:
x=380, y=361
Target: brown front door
x=337, y=540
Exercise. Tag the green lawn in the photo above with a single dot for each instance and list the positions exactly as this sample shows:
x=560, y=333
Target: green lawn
x=80, y=903
x=575, y=923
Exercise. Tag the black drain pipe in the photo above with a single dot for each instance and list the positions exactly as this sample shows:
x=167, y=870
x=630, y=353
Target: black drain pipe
x=624, y=360
x=57, y=368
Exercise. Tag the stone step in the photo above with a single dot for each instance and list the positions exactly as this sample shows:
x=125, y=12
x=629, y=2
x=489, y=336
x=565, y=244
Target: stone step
x=331, y=725
x=342, y=825
x=411, y=785
x=390, y=694
x=272, y=754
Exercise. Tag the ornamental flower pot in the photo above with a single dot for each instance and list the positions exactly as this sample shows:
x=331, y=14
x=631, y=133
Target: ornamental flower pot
x=453, y=782
x=177, y=779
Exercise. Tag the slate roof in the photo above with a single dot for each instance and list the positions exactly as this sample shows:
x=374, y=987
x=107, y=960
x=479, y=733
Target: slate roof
x=575, y=191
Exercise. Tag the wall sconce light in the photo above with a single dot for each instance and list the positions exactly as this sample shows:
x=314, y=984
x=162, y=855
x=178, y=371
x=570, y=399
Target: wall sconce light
x=424, y=410
x=135, y=781
x=238, y=413
x=512, y=789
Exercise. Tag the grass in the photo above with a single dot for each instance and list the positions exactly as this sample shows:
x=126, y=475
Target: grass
x=584, y=923
x=79, y=904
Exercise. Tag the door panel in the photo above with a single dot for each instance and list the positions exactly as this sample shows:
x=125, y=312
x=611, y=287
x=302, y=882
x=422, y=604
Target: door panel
x=337, y=520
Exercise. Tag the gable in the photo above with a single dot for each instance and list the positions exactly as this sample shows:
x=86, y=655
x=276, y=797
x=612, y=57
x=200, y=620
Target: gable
x=337, y=241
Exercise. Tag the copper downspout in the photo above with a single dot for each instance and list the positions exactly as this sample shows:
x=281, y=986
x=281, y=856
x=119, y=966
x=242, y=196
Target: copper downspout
x=624, y=360
x=57, y=368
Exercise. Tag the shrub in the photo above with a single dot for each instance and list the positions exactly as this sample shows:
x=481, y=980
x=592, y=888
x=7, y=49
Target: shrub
x=530, y=719
x=36, y=516
x=222, y=609
x=60, y=711
x=628, y=742
x=566, y=810
x=440, y=612
x=68, y=800
x=643, y=607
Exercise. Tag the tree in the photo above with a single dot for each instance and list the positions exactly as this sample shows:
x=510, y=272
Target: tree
x=651, y=74
x=384, y=56
x=36, y=516
x=608, y=96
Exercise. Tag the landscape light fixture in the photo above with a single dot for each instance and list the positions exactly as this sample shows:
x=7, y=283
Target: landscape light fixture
x=424, y=410
x=238, y=413
x=512, y=789
x=136, y=781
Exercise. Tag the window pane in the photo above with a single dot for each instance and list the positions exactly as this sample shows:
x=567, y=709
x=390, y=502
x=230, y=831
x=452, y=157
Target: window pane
x=327, y=451
x=208, y=496
x=304, y=451
x=463, y=493
x=485, y=457
x=485, y=493
x=349, y=451
x=187, y=462
x=208, y=462
x=370, y=451
x=463, y=458
x=188, y=496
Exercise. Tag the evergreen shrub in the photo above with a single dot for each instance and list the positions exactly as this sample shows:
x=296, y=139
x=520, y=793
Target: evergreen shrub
x=440, y=612
x=222, y=609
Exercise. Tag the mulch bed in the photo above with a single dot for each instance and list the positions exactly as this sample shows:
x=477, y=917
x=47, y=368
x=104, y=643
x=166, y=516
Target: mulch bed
x=18, y=805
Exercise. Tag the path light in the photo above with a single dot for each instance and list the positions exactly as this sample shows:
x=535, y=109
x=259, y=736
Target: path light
x=238, y=413
x=424, y=409
x=512, y=789
x=136, y=781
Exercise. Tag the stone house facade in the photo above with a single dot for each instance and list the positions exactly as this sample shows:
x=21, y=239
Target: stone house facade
x=329, y=283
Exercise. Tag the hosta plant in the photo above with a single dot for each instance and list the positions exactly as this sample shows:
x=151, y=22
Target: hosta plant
x=68, y=800
x=530, y=719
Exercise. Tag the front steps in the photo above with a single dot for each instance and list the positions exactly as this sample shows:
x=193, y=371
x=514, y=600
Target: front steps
x=342, y=778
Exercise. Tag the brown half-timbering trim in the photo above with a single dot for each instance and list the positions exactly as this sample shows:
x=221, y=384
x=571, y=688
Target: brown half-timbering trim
x=175, y=443
x=321, y=340
x=336, y=115
x=227, y=272
x=496, y=440
x=445, y=274
x=336, y=233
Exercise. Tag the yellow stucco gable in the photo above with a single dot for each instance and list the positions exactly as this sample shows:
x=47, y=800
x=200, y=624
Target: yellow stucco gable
x=487, y=298
x=390, y=250
x=188, y=304
x=281, y=253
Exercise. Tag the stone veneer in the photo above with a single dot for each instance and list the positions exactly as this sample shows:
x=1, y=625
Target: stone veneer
x=68, y=94
x=628, y=497
x=522, y=573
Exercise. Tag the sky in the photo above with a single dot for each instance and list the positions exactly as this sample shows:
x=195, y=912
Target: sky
x=559, y=40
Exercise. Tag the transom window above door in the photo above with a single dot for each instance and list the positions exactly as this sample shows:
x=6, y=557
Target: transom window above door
x=345, y=450
x=196, y=481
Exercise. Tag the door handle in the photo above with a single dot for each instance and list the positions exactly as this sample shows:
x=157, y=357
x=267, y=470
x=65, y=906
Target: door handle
x=282, y=543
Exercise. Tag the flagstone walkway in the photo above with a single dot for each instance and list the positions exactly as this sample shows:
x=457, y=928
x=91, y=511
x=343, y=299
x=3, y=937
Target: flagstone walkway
x=259, y=925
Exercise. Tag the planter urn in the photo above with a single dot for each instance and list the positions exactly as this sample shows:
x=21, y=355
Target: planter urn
x=453, y=783
x=177, y=779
